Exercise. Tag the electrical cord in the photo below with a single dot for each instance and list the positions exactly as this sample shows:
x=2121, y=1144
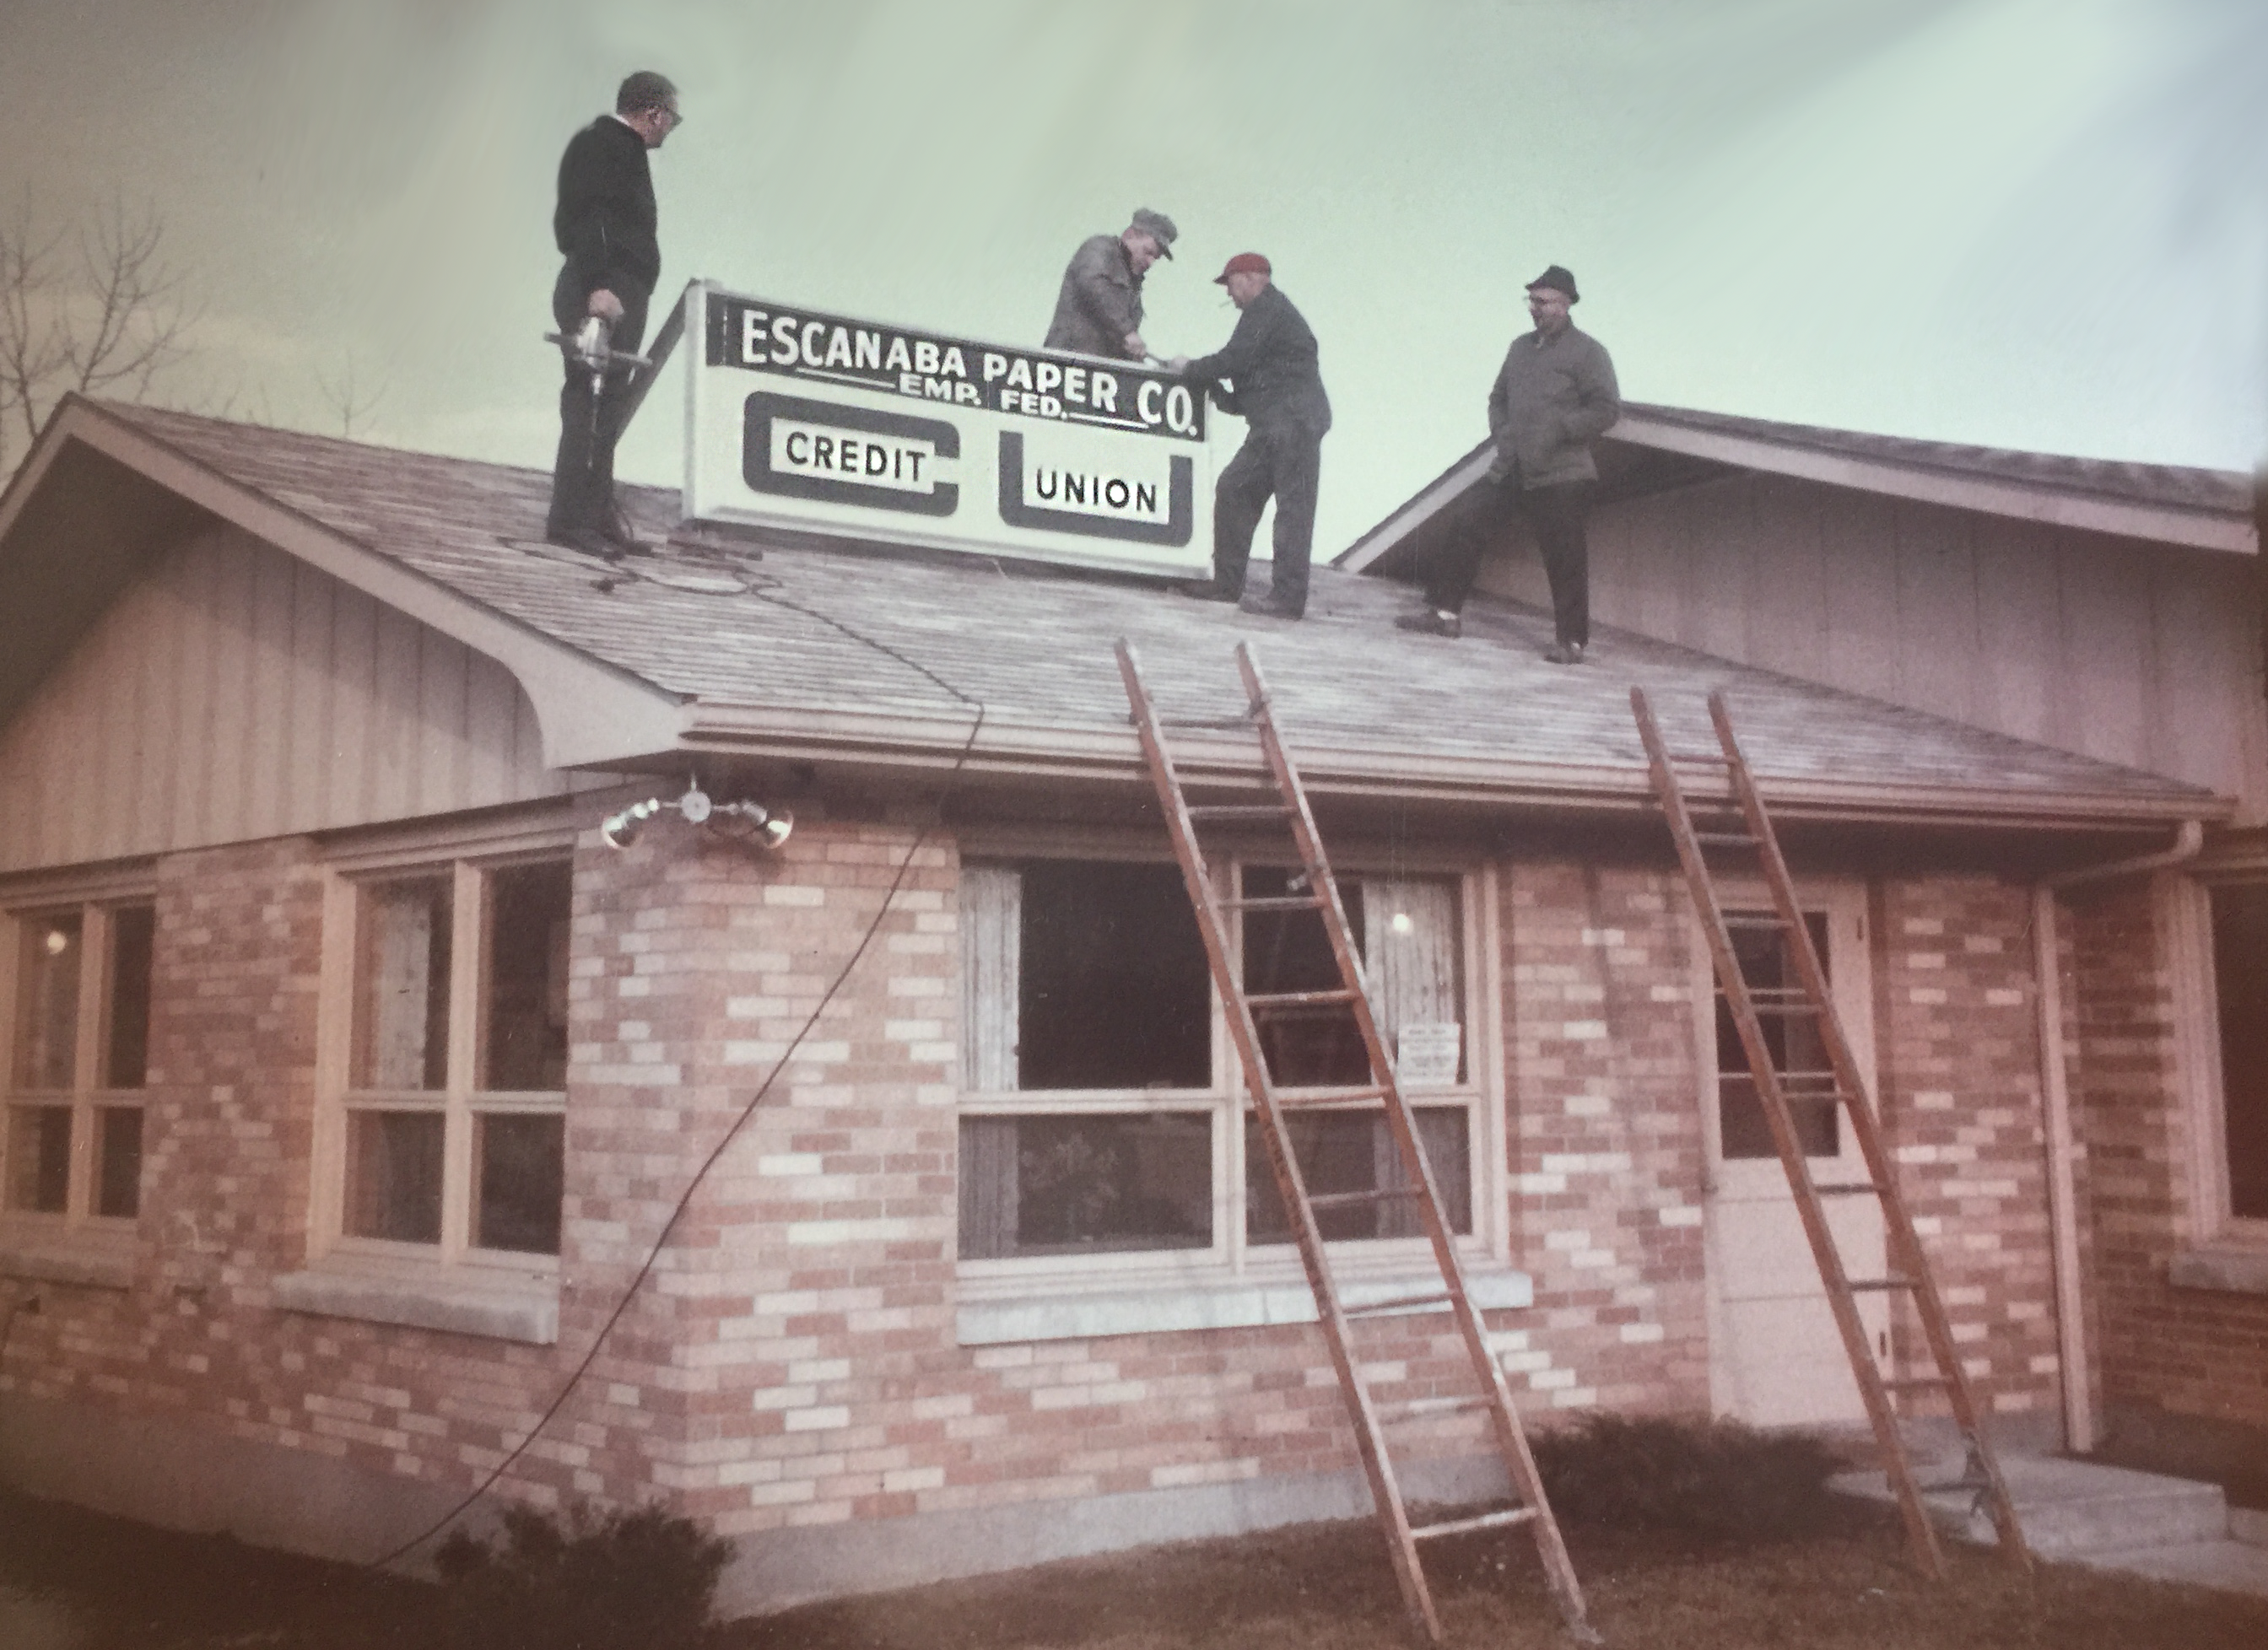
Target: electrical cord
x=582, y=1369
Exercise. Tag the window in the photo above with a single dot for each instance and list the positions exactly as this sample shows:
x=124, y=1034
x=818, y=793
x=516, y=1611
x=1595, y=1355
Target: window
x=1767, y=962
x=2240, y=979
x=1101, y=1113
x=448, y=1125
x=79, y=1059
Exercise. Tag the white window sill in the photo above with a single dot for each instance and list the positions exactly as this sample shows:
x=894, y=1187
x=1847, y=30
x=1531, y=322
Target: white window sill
x=93, y=1265
x=1166, y=1309
x=2238, y=1272
x=515, y=1310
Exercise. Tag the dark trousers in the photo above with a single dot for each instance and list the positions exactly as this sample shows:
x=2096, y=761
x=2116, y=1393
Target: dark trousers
x=1287, y=462
x=1557, y=513
x=583, y=476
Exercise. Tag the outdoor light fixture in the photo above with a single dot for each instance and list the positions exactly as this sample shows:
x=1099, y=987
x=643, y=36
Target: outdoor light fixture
x=765, y=826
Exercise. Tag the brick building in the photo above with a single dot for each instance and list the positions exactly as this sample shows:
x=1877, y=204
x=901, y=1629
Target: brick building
x=352, y=1076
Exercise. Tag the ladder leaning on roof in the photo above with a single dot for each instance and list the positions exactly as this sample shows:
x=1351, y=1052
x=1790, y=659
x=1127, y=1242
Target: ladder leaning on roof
x=1272, y=1103
x=1737, y=823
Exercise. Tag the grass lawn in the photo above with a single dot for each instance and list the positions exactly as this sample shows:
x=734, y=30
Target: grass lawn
x=123, y=1587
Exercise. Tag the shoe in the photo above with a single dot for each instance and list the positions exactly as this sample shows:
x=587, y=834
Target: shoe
x=1564, y=653
x=1267, y=607
x=589, y=541
x=618, y=532
x=1207, y=590
x=1432, y=621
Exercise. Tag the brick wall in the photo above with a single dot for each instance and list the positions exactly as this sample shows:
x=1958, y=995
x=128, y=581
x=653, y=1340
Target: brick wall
x=1958, y=1079
x=2178, y=1351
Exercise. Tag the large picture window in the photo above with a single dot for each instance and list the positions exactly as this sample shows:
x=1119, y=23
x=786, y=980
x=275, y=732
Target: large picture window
x=78, y=1060
x=1100, y=1117
x=449, y=1117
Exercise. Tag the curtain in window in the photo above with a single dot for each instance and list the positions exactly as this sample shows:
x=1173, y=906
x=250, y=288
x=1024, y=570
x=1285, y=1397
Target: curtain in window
x=989, y=1208
x=1413, y=967
x=991, y=963
x=1441, y=1135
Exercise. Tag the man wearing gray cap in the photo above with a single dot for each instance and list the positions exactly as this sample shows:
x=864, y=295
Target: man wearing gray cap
x=1099, y=311
x=1555, y=394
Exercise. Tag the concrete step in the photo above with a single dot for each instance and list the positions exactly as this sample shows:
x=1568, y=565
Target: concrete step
x=2233, y=1566
x=2070, y=1509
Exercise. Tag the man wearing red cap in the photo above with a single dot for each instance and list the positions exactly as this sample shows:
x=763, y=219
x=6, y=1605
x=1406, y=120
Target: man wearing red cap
x=1266, y=374
x=1554, y=395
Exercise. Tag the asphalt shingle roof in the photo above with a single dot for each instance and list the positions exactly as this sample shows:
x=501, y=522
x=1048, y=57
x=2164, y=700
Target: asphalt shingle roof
x=1034, y=646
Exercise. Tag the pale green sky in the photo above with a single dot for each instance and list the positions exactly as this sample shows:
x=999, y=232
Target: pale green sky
x=2039, y=224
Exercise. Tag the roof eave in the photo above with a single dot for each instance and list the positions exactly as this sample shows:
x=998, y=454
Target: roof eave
x=1007, y=749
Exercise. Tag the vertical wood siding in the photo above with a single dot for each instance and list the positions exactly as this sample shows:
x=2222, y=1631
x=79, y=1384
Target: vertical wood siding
x=236, y=693
x=2146, y=655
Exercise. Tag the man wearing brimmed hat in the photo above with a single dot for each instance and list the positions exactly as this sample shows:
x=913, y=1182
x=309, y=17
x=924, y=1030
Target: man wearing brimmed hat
x=1098, y=310
x=1266, y=374
x=1555, y=394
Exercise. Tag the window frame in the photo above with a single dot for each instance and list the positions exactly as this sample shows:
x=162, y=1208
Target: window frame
x=96, y=905
x=1233, y=1257
x=2188, y=907
x=470, y=865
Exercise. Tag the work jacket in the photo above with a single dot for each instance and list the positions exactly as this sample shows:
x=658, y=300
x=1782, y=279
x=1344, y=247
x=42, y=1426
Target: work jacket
x=1553, y=397
x=1100, y=301
x=605, y=221
x=1271, y=360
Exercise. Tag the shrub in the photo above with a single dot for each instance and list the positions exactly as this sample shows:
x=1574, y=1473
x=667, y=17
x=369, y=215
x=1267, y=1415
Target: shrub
x=1719, y=1480
x=636, y=1579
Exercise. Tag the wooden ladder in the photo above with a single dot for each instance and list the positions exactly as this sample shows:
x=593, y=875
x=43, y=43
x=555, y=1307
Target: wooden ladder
x=1737, y=823
x=1317, y=892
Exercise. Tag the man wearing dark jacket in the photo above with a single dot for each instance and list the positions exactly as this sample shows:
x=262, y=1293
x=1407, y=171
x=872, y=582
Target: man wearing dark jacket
x=605, y=226
x=1554, y=395
x=1267, y=374
x=1098, y=309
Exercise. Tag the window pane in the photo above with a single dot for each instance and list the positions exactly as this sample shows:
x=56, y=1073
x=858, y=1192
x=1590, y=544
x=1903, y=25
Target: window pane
x=1289, y=951
x=118, y=1161
x=526, y=1039
x=2239, y=960
x=1354, y=1151
x=1114, y=987
x=518, y=1168
x=402, y=986
x=1414, y=960
x=1767, y=963
x=39, y=1158
x=1084, y=1185
x=394, y=1176
x=133, y=935
x=47, y=1011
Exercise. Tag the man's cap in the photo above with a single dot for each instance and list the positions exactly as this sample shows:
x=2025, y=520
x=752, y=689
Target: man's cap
x=1557, y=280
x=1158, y=228
x=1243, y=263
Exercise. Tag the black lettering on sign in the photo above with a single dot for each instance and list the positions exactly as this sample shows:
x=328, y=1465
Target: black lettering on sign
x=798, y=448
x=789, y=341
x=1093, y=503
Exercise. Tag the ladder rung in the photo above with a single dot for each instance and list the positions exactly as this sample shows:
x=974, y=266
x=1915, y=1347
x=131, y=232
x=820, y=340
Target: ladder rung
x=1238, y=810
x=1427, y=1409
x=1846, y=1191
x=1398, y=1303
x=1299, y=999
x=1274, y=903
x=1214, y=722
x=1485, y=1520
x=1709, y=759
x=1346, y=1199
x=1906, y=1383
x=1755, y=922
x=1327, y=1096
x=1770, y=1006
x=1724, y=839
x=1895, y=1281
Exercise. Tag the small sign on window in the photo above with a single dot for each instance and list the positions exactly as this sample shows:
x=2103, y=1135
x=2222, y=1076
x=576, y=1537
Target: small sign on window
x=1428, y=1056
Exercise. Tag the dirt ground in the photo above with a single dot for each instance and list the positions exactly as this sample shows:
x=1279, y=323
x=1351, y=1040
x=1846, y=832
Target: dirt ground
x=101, y=1584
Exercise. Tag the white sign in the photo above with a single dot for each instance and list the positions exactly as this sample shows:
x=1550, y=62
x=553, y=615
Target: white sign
x=1427, y=1057
x=826, y=424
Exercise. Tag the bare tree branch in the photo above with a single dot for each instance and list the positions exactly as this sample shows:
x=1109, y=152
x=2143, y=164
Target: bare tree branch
x=108, y=321
x=349, y=403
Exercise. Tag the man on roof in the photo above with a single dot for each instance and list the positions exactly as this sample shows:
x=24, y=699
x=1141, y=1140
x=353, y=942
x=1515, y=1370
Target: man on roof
x=1098, y=310
x=1267, y=374
x=605, y=226
x=1554, y=395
